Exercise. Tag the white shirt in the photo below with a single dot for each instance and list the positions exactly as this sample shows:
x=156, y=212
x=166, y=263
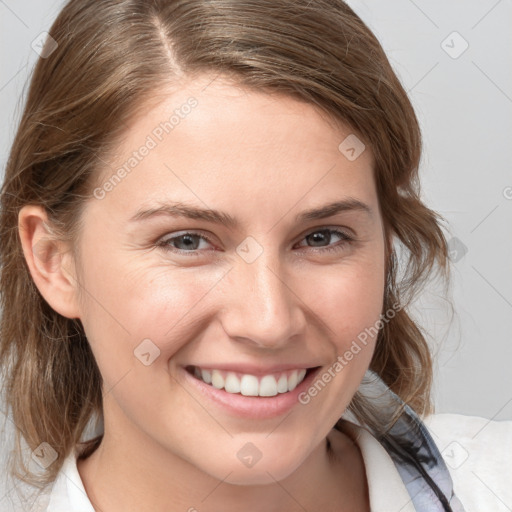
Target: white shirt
x=477, y=452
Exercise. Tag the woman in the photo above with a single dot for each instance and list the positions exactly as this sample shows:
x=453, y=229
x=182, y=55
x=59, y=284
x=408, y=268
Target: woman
x=199, y=219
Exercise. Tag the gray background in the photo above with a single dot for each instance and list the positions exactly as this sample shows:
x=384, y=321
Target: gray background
x=464, y=103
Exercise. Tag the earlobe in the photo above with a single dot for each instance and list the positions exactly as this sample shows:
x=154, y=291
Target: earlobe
x=49, y=261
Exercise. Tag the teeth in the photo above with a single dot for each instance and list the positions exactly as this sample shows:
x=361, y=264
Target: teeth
x=282, y=384
x=250, y=385
x=206, y=375
x=268, y=386
x=232, y=384
x=217, y=379
x=292, y=380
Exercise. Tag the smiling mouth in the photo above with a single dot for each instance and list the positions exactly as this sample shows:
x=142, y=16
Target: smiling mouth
x=251, y=385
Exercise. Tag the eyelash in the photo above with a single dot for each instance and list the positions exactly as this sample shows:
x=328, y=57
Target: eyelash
x=346, y=239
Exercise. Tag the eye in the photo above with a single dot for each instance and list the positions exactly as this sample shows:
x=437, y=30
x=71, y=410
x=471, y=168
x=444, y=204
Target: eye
x=189, y=243
x=186, y=243
x=322, y=239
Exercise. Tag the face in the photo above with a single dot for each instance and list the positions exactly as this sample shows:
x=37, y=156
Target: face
x=246, y=294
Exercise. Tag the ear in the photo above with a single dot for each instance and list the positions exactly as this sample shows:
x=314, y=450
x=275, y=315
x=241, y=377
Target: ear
x=49, y=260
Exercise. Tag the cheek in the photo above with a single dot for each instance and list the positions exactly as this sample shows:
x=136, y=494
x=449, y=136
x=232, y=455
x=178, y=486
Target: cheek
x=127, y=304
x=166, y=301
x=352, y=302
x=348, y=298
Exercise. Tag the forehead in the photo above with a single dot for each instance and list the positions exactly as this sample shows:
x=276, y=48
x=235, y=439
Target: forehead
x=208, y=140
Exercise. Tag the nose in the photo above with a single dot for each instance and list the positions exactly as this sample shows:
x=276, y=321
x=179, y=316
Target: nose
x=263, y=306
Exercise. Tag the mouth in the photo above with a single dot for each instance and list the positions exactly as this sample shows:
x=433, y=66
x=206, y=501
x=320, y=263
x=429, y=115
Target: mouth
x=266, y=395
x=267, y=385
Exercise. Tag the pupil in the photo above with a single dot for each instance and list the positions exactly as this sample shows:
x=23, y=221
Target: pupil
x=319, y=236
x=189, y=241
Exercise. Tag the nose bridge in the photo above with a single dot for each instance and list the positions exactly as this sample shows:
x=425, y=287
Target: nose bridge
x=262, y=306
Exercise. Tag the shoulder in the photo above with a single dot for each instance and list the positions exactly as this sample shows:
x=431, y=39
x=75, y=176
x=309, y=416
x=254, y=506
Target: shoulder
x=478, y=454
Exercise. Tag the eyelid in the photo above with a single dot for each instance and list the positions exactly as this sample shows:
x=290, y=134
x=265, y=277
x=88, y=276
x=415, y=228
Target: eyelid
x=184, y=232
x=342, y=229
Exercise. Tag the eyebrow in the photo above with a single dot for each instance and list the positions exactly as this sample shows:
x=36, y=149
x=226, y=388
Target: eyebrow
x=218, y=217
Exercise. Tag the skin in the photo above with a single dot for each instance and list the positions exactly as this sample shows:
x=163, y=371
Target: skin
x=262, y=159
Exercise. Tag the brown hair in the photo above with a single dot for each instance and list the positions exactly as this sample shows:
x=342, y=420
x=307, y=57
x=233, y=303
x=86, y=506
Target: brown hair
x=114, y=54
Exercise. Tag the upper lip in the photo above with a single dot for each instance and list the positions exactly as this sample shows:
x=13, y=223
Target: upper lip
x=252, y=369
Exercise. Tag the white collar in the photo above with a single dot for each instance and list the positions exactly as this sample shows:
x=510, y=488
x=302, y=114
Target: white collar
x=68, y=492
x=386, y=488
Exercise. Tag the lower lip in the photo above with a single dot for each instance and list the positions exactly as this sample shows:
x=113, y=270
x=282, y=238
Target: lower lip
x=250, y=406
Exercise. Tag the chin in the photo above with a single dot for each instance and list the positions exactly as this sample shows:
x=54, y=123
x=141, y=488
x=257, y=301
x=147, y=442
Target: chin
x=261, y=473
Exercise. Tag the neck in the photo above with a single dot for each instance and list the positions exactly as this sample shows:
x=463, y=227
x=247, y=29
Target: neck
x=147, y=477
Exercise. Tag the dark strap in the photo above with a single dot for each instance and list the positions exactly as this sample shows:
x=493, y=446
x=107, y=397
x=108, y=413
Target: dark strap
x=412, y=450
